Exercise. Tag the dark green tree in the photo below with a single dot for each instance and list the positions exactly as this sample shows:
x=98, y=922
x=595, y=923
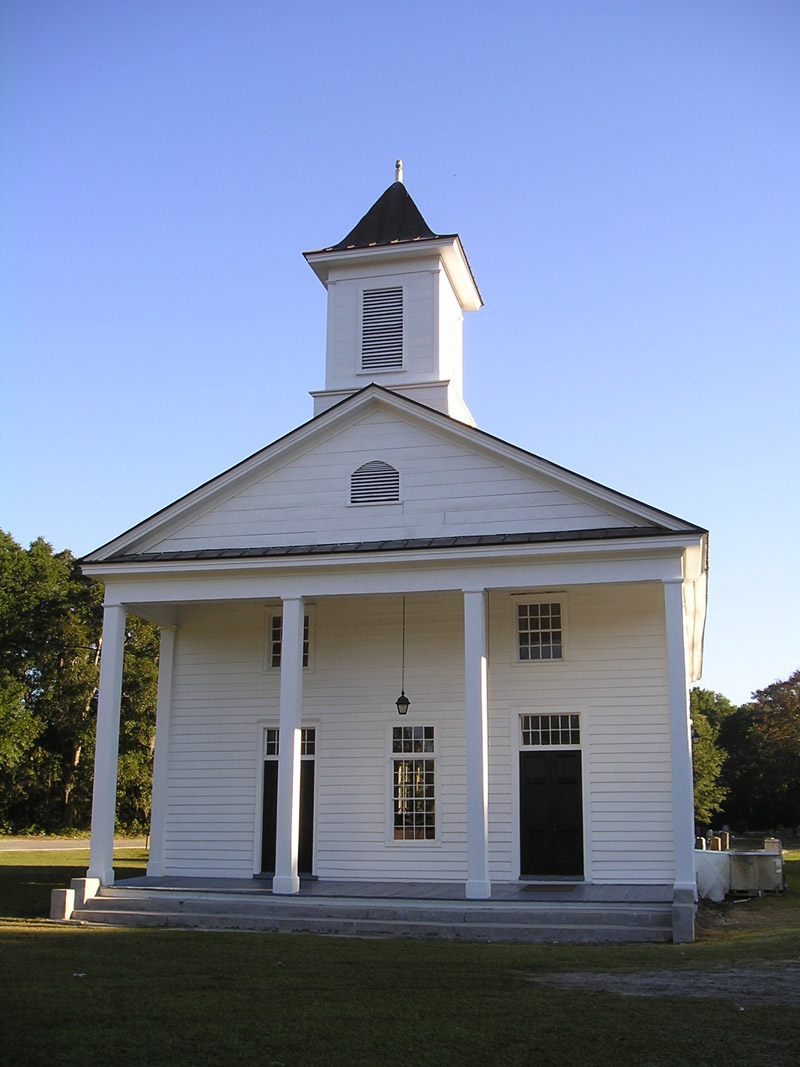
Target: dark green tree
x=137, y=724
x=713, y=706
x=50, y=640
x=707, y=710
x=762, y=766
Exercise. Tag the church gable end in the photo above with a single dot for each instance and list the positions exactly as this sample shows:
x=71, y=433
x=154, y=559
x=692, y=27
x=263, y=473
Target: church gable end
x=331, y=487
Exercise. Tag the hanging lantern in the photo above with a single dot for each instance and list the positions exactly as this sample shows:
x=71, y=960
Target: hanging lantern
x=402, y=703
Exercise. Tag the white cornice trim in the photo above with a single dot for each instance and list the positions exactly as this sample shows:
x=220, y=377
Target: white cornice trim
x=350, y=410
x=448, y=249
x=665, y=546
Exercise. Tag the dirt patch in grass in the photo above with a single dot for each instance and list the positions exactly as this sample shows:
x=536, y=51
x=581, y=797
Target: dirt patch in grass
x=741, y=934
x=772, y=983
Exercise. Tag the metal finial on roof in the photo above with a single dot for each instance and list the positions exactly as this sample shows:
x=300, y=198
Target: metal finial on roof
x=398, y=171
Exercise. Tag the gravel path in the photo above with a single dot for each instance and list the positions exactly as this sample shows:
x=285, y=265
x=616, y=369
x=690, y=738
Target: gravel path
x=61, y=844
x=769, y=983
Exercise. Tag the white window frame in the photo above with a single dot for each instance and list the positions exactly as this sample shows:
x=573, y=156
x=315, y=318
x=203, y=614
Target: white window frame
x=558, y=746
x=271, y=737
x=434, y=757
x=373, y=287
x=554, y=597
x=309, y=612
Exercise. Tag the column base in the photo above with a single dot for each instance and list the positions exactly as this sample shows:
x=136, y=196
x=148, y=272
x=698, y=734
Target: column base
x=478, y=890
x=106, y=877
x=683, y=913
x=285, y=884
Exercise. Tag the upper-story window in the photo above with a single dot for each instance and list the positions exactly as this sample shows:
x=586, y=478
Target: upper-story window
x=275, y=639
x=375, y=483
x=382, y=329
x=540, y=628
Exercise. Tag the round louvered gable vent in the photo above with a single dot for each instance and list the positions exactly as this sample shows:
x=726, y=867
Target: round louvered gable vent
x=374, y=483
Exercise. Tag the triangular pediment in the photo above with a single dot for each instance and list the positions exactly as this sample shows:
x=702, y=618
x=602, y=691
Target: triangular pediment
x=456, y=485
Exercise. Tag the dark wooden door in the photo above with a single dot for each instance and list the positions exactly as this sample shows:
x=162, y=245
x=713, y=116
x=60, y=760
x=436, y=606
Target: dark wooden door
x=550, y=814
x=270, y=816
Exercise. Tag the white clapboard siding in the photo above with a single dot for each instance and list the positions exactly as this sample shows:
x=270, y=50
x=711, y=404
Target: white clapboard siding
x=217, y=698
x=614, y=677
x=420, y=350
x=446, y=488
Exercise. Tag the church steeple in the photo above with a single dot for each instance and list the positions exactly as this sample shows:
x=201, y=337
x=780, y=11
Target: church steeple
x=396, y=295
x=394, y=217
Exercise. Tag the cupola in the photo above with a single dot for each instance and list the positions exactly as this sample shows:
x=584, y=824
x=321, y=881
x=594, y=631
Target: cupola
x=397, y=292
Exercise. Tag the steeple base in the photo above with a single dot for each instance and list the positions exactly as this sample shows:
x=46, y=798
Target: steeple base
x=439, y=395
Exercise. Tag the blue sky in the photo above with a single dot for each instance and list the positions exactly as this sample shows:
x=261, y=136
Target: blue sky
x=623, y=175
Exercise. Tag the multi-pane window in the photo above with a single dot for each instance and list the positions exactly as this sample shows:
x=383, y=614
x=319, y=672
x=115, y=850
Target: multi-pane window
x=540, y=634
x=308, y=741
x=275, y=640
x=550, y=729
x=413, y=783
x=272, y=742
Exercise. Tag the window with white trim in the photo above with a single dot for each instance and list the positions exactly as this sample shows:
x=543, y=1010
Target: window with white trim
x=540, y=629
x=308, y=741
x=375, y=482
x=413, y=783
x=547, y=731
x=382, y=329
x=275, y=640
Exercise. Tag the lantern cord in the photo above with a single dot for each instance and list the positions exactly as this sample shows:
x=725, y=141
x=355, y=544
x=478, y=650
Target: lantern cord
x=403, y=659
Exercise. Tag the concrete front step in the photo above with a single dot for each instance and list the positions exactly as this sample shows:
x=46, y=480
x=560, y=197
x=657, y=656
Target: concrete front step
x=479, y=921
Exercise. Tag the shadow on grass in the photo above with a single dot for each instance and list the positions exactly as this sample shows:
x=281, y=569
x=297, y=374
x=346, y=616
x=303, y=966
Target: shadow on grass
x=166, y=998
x=26, y=878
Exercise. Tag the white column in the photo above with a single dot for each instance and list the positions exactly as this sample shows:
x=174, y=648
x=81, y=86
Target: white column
x=286, y=879
x=104, y=794
x=681, y=752
x=477, y=747
x=158, y=804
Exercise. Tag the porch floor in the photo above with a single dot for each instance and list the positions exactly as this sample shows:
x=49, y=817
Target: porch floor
x=523, y=892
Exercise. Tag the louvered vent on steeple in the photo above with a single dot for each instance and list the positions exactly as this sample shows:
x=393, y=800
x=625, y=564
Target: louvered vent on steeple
x=382, y=329
x=375, y=483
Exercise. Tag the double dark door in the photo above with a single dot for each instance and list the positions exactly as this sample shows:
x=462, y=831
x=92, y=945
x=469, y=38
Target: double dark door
x=270, y=817
x=550, y=814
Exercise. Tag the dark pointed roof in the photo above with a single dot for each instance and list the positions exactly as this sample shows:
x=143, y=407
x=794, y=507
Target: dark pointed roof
x=394, y=217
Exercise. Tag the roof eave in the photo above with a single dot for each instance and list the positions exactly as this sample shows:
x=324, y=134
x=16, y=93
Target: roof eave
x=468, y=548
x=448, y=247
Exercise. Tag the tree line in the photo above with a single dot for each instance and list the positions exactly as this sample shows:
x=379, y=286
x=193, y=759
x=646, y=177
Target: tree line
x=746, y=759
x=50, y=642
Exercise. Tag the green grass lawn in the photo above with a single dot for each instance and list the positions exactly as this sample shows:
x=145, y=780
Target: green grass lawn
x=73, y=995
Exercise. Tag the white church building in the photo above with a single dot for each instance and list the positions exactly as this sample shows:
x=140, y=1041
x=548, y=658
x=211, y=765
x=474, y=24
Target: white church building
x=396, y=648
